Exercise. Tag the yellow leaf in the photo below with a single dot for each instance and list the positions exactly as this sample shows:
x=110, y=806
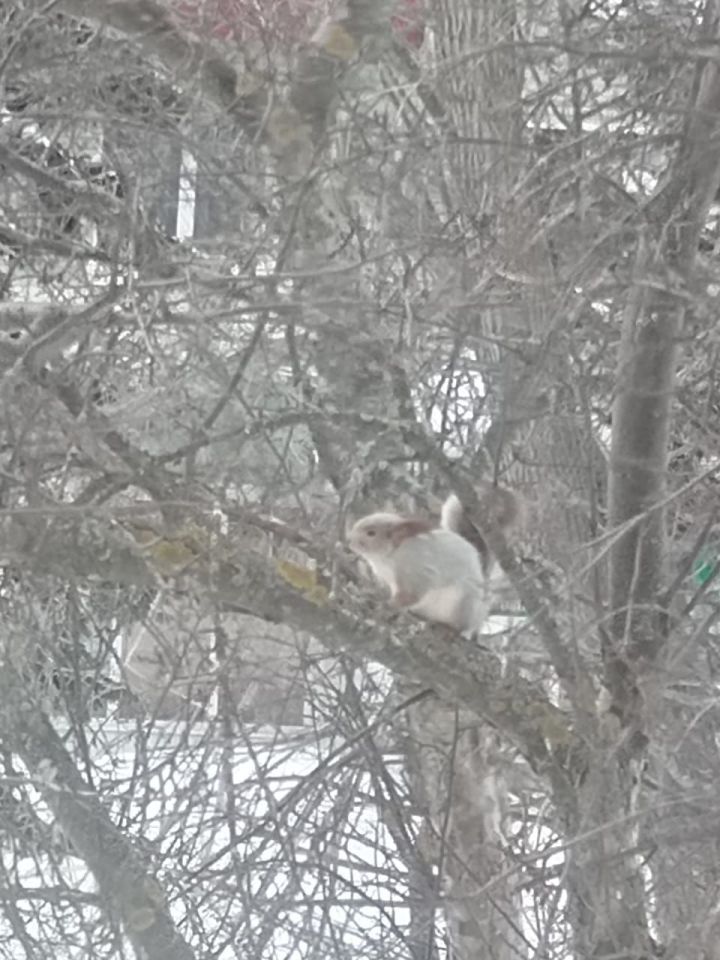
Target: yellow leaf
x=302, y=578
x=170, y=556
x=335, y=40
x=319, y=595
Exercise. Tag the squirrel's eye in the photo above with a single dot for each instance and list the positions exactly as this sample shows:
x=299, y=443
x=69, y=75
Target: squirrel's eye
x=371, y=531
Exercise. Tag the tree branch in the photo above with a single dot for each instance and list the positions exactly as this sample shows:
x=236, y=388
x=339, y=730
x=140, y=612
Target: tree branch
x=457, y=669
x=123, y=878
x=652, y=324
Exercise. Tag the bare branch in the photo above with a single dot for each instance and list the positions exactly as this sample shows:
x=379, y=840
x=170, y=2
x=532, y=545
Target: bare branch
x=123, y=877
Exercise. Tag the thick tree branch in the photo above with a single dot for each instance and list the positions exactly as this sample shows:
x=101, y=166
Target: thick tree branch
x=642, y=414
x=457, y=669
x=646, y=370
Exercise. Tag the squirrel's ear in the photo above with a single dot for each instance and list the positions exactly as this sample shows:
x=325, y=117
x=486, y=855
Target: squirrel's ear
x=411, y=527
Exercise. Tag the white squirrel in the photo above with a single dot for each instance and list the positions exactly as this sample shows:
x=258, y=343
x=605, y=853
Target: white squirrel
x=440, y=572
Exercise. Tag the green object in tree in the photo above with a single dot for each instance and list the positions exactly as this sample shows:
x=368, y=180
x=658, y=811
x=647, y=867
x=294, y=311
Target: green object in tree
x=704, y=569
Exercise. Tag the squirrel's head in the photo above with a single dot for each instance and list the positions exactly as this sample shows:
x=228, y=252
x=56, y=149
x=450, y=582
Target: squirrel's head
x=374, y=535
x=380, y=533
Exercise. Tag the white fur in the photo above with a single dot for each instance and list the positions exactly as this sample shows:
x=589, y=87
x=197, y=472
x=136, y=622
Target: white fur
x=439, y=567
x=451, y=512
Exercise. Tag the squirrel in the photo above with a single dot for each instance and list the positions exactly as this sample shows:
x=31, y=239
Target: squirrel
x=440, y=572
x=503, y=507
